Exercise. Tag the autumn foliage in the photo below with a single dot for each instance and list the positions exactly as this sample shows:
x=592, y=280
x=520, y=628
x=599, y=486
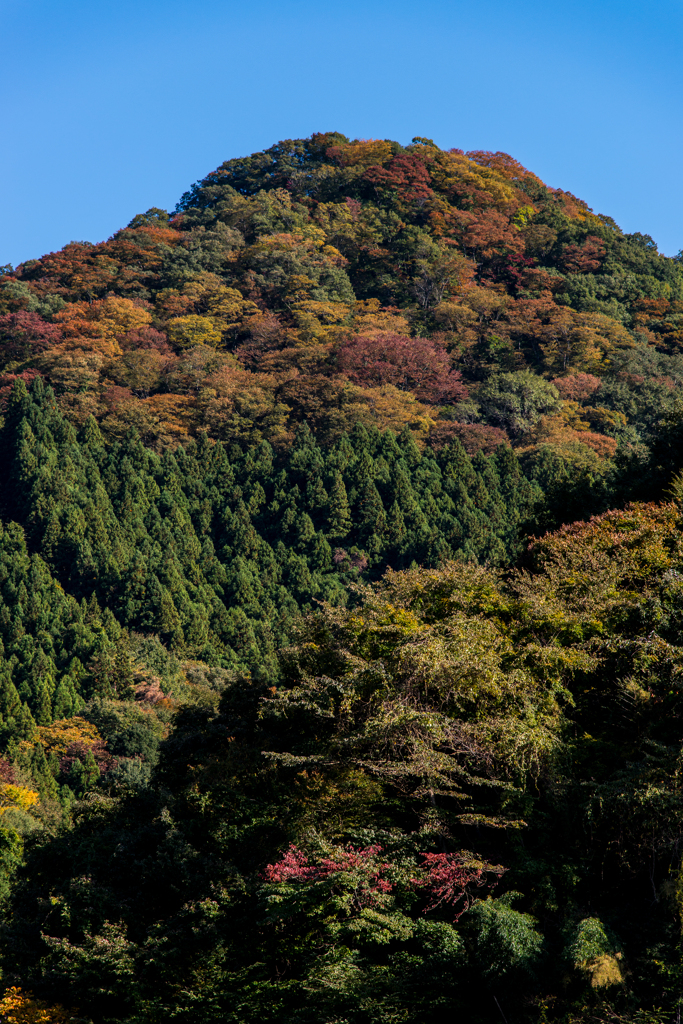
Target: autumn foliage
x=341, y=604
x=410, y=364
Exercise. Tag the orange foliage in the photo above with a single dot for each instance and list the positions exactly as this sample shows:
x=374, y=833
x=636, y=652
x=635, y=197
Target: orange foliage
x=582, y=259
x=17, y=1007
x=491, y=234
x=98, y=325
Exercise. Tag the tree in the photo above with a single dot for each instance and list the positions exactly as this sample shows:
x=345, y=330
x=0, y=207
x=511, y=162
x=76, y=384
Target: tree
x=19, y=1007
x=191, y=330
x=23, y=334
x=583, y=259
x=517, y=400
x=410, y=364
x=140, y=370
x=405, y=176
x=338, y=514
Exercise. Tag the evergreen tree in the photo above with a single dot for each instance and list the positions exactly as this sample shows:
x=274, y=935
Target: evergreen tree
x=338, y=511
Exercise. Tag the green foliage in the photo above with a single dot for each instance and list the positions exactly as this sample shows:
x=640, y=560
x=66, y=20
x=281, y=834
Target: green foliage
x=517, y=400
x=298, y=721
x=11, y=856
x=349, y=844
x=129, y=731
x=214, y=555
x=508, y=943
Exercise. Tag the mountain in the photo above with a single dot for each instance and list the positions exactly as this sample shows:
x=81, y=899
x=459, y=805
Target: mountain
x=340, y=588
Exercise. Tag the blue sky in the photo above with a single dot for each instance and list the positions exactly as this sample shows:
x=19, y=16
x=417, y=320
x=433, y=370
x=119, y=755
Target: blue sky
x=110, y=108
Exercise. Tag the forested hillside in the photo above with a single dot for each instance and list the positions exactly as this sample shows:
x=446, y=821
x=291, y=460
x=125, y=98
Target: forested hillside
x=340, y=604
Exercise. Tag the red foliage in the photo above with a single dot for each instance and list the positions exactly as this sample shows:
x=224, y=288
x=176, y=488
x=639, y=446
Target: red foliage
x=405, y=174
x=295, y=866
x=7, y=772
x=410, y=364
x=583, y=259
x=354, y=206
x=667, y=382
x=519, y=270
x=343, y=558
x=22, y=334
x=114, y=395
x=448, y=880
x=577, y=387
x=149, y=692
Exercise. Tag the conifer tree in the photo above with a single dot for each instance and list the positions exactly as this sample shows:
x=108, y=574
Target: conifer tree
x=339, y=513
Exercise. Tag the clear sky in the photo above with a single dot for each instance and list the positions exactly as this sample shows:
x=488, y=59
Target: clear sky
x=108, y=108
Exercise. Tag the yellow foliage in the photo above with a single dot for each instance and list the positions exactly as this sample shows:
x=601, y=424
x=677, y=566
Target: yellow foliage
x=59, y=736
x=388, y=407
x=523, y=216
x=229, y=306
x=317, y=322
x=17, y=1007
x=16, y=796
x=570, y=413
x=197, y=288
x=604, y=419
x=582, y=341
x=363, y=152
x=454, y=170
x=372, y=318
x=188, y=331
x=589, y=567
x=604, y=970
x=326, y=312
x=309, y=241
x=207, y=295
x=454, y=316
x=335, y=218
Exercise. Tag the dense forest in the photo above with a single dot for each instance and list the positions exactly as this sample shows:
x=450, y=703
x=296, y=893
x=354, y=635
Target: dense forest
x=341, y=605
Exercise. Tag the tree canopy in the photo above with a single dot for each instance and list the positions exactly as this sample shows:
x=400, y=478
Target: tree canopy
x=340, y=604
